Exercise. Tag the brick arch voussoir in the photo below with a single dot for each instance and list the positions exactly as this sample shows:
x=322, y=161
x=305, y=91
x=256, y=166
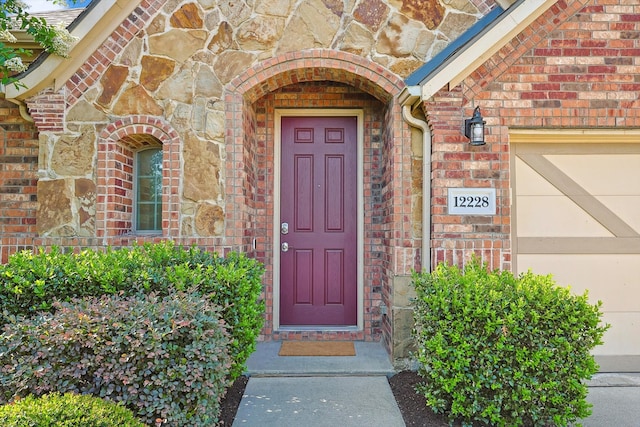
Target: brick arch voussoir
x=147, y=125
x=316, y=64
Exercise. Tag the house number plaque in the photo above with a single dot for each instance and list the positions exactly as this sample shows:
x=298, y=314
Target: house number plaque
x=471, y=201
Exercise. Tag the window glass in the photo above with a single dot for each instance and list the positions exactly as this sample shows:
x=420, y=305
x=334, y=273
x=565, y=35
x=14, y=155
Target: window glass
x=149, y=190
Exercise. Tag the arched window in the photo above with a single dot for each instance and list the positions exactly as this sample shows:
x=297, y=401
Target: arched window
x=139, y=172
x=148, y=190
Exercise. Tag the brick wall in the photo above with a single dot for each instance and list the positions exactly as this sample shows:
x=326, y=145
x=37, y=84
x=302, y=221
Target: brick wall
x=582, y=73
x=456, y=164
x=18, y=179
x=47, y=110
x=116, y=145
x=575, y=67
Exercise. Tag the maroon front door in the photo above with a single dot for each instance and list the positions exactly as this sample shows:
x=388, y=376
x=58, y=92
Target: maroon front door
x=318, y=233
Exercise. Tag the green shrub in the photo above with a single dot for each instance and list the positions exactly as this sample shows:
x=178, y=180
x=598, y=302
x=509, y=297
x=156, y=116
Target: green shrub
x=29, y=282
x=161, y=357
x=68, y=410
x=236, y=289
x=502, y=350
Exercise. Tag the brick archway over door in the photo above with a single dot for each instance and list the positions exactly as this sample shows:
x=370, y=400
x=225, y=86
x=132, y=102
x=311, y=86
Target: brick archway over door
x=267, y=76
x=249, y=204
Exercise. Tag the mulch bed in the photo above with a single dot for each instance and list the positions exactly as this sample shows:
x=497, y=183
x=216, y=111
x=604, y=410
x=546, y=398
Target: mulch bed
x=231, y=401
x=412, y=405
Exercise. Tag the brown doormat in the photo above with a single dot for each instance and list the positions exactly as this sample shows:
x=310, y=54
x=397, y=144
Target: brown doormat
x=317, y=348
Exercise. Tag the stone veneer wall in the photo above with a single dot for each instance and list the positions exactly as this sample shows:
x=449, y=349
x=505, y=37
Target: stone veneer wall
x=172, y=60
x=192, y=76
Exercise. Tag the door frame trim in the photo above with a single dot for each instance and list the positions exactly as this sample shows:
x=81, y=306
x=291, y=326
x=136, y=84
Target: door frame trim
x=277, y=159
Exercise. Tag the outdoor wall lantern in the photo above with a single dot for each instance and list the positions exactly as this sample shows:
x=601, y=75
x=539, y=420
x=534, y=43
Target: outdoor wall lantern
x=474, y=128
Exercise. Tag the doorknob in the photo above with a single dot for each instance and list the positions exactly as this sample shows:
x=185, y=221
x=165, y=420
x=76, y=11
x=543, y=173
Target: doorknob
x=284, y=228
x=285, y=247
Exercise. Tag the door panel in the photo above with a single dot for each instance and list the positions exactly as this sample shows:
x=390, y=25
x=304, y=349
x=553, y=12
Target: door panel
x=334, y=264
x=334, y=217
x=318, y=271
x=303, y=193
x=303, y=262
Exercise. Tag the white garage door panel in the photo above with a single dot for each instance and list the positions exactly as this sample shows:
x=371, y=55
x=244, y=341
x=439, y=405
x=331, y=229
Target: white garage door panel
x=622, y=337
x=602, y=173
x=576, y=214
x=531, y=183
x=626, y=207
x=555, y=216
x=612, y=279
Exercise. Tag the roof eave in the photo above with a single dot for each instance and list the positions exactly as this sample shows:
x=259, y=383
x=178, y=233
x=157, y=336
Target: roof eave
x=455, y=68
x=92, y=27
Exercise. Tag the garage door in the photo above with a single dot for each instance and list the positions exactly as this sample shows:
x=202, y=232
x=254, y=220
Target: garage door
x=576, y=210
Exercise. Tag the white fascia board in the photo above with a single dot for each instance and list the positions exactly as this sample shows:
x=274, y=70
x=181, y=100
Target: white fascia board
x=476, y=53
x=100, y=21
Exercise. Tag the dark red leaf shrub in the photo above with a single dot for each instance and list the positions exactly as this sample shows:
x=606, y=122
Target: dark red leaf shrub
x=163, y=358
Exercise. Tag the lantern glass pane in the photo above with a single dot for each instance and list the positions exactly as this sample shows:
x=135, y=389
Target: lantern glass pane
x=477, y=130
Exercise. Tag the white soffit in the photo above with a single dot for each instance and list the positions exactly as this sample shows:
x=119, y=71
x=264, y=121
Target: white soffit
x=505, y=4
x=100, y=21
x=480, y=50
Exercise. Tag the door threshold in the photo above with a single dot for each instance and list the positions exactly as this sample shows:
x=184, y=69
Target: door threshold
x=322, y=328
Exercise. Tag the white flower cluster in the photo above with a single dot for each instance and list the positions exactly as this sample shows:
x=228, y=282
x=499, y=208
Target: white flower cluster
x=15, y=64
x=63, y=41
x=5, y=35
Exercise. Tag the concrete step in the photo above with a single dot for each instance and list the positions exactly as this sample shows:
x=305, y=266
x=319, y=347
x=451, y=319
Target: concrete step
x=371, y=359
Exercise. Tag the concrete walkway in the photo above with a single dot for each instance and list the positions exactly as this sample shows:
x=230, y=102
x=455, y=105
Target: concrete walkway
x=615, y=399
x=318, y=401
x=319, y=391
x=354, y=392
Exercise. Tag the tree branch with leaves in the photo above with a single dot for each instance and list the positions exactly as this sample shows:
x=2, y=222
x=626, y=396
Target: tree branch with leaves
x=14, y=16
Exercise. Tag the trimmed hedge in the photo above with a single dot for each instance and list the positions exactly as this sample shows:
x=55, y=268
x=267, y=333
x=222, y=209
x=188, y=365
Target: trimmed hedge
x=163, y=358
x=30, y=282
x=502, y=350
x=68, y=410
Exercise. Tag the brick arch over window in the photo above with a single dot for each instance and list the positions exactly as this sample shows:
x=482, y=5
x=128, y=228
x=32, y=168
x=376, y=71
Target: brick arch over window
x=283, y=70
x=117, y=144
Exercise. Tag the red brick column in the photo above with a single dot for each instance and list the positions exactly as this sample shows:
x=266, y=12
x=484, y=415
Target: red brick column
x=18, y=180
